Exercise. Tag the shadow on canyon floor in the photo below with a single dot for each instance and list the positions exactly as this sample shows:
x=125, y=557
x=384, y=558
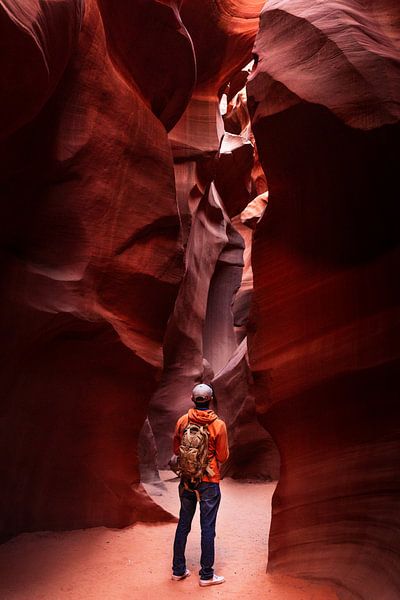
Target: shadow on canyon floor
x=134, y=563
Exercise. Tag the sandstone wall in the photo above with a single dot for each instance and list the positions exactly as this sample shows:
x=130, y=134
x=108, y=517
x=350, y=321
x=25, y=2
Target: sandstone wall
x=90, y=229
x=99, y=247
x=324, y=98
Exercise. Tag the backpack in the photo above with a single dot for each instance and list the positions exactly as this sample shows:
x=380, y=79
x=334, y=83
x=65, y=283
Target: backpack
x=193, y=453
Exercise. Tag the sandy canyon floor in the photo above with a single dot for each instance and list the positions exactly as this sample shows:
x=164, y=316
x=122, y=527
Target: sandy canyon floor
x=134, y=563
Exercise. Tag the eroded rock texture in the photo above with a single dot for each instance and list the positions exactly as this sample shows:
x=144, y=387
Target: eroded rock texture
x=37, y=42
x=325, y=108
x=91, y=267
x=109, y=229
x=123, y=251
x=223, y=33
x=201, y=342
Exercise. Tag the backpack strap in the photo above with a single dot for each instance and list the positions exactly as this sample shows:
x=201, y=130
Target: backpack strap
x=210, y=471
x=186, y=487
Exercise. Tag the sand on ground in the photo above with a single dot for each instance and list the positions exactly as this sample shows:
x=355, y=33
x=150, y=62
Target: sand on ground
x=135, y=563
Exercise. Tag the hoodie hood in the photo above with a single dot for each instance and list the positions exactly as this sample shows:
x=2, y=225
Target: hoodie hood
x=202, y=417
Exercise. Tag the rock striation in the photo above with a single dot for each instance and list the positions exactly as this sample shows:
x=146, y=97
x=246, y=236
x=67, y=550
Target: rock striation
x=85, y=239
x=201, y=341
x=101, y=254
x=133, y=193
x=324, y=99
x=38, y=40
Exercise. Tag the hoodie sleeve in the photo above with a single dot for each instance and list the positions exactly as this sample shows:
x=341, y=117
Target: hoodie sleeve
x=177, y=436
x=221, y=443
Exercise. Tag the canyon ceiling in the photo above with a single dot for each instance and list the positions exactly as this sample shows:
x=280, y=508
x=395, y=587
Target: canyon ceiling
x=204, y=190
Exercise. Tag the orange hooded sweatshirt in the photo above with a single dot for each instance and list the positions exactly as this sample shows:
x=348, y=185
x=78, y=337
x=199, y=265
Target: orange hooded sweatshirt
x=218, y=450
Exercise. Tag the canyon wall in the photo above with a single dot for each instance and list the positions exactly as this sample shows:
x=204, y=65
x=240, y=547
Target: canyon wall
x=131, y=186
x=324, y=98
x=112, y=234
x=91, y=261
x=215, y=178
x=201, y=341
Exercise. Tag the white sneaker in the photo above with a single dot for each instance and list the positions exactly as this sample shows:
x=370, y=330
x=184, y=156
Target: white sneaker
x=214, y=581
x=178, y=577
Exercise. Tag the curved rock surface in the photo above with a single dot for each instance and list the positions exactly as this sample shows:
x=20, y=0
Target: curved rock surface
x=150, y=45
x=223, y=33
x=85, y=239
x=94, y=232
x=324, y=98
x=201, y=342
x=342, y=55
x=122, y=257
x=38, y=39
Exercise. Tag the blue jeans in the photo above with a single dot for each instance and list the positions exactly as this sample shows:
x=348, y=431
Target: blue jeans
x=210, y=497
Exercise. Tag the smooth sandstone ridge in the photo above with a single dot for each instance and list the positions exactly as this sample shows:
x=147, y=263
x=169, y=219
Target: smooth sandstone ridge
x=324, y=98
x=143, y=251
x=94, y=247
x=90, y=229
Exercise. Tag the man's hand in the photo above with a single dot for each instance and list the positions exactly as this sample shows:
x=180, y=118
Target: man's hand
x=173, y=463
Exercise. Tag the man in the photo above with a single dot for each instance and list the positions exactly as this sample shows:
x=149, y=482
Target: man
x=207, y=490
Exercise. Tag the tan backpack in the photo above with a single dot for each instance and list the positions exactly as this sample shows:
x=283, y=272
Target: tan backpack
x=193, y=453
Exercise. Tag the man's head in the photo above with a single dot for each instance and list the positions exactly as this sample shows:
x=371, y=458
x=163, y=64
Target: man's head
x=202, y=394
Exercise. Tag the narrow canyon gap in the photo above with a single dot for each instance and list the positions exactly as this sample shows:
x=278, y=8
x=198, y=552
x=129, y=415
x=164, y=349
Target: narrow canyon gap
x=142, y=250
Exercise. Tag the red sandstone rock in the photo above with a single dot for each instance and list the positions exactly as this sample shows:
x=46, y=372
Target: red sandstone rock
x=148, y=460
x=341, y=56
x=223, y=34
x=91, y=232
x=37, y=41
x=150, y=45
x=324, y=355
x=90, y=229
x=213, y=175
x=184, y=356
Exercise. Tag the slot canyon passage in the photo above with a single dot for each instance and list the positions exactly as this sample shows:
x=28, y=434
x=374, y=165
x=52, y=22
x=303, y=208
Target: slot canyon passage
x=200, y=190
